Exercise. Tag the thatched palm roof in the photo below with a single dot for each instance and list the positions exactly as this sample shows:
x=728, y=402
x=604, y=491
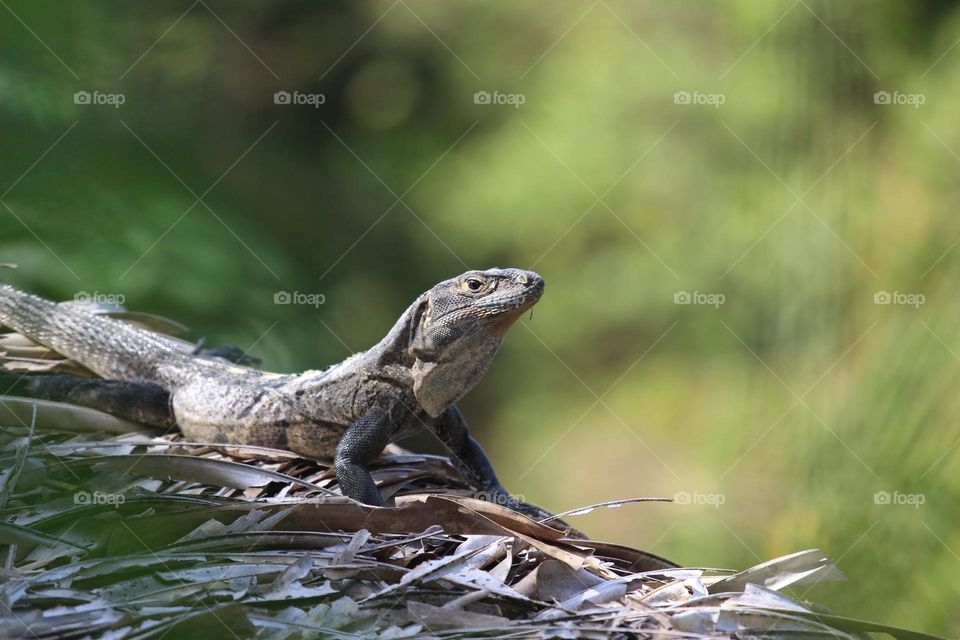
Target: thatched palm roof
x=111, y=531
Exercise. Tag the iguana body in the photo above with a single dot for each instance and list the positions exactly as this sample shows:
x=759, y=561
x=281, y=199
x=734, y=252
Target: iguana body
x=437, y=350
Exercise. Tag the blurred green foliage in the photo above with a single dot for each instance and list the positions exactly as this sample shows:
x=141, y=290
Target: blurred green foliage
x=798, y=198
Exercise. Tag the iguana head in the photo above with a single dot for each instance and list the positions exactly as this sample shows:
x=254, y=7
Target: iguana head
x=457, y=327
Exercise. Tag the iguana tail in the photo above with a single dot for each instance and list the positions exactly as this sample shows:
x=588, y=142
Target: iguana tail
x=110, y=348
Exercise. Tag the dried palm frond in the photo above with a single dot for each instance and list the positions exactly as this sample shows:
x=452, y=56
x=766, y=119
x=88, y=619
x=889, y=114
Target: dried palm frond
x=135, y=535
x=112, y=531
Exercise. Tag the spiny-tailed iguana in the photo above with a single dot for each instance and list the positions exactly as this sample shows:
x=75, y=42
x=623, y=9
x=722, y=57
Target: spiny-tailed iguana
x=436, y=352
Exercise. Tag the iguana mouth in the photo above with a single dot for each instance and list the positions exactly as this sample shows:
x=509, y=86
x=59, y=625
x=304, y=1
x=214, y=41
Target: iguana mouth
x=516, y=299
x=502, y=322
x=508, y=307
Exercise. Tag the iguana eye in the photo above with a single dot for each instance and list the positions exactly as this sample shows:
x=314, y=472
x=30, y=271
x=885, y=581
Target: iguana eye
x=473, y=284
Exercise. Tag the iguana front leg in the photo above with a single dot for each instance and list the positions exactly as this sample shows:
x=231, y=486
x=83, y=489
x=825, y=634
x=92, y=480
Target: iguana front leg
x=467, y=454
x=361, y=443
x=472, y=463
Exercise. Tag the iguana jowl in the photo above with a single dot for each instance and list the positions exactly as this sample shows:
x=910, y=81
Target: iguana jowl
x=434, y=354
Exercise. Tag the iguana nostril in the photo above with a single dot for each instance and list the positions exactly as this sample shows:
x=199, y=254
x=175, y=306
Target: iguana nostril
x=533, y=281
x=521, y=279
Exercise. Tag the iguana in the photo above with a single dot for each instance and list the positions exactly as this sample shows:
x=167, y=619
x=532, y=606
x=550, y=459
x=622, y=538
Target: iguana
x=434, y=354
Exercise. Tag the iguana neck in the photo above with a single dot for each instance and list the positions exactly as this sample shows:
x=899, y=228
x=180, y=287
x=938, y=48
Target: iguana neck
x=389, y=359
x=394, y=348
x=438, y=371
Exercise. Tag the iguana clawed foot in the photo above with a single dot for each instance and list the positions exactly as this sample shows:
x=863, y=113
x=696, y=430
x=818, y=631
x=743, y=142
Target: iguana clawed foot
x=229, y=352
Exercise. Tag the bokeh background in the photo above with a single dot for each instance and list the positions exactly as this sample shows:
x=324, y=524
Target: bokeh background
x=793, y=160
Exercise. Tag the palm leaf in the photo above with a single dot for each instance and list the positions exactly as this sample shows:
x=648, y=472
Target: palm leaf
x=112, y=531
x=203, y=539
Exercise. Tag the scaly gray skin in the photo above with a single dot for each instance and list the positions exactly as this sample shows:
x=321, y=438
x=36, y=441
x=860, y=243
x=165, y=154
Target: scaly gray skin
x=434, y=354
